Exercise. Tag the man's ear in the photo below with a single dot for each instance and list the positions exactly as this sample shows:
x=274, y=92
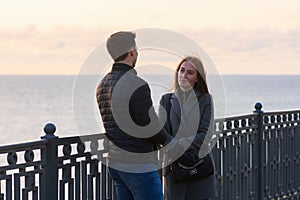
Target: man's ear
x=131, y=50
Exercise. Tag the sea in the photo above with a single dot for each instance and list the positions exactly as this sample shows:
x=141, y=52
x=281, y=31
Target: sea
x=28, y=103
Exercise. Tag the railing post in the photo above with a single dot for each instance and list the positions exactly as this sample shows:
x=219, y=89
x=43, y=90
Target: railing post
x=49, y=185
x=260, y=150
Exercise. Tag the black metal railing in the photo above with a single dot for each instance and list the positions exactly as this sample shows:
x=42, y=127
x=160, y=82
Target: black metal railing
x=257, y=156
x=65, y=169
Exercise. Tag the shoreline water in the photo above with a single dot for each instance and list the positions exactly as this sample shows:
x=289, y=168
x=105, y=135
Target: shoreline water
x=29, y=102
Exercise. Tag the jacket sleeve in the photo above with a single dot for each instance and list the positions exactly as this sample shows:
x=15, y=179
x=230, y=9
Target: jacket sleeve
x=206, y=128
x=141, y=108
x=162, y=113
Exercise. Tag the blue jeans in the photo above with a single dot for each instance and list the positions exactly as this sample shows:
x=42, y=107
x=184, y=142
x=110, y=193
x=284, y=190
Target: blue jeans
x=137, y=186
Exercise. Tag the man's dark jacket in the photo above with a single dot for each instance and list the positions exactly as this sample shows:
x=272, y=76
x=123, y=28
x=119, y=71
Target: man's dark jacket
x=124, y=78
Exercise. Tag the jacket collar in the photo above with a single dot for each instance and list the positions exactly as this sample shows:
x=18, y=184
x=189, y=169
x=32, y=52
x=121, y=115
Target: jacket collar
x=191, y=100
x=123, y=67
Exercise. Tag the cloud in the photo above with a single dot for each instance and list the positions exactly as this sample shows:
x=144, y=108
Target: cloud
x=233, y=51
x=248, y=51
x=58, y=46
x=57, y=38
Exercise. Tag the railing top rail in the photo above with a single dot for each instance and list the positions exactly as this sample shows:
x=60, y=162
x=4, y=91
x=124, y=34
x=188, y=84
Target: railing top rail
x=40, y=143
x=82, y=138
x=282, y=112
x=237, y=117
x=23, y=146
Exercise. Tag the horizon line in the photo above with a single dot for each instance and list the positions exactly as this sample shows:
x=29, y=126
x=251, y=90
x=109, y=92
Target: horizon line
x=221, y=74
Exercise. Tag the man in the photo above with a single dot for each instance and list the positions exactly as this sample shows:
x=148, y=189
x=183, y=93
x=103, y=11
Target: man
x=125, y=104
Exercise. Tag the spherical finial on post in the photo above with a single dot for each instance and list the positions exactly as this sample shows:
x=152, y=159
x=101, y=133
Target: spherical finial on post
x=49, y=129
x=258, y=106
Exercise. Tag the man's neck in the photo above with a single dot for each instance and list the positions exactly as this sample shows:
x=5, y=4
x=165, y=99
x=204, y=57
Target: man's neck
x=127, y=62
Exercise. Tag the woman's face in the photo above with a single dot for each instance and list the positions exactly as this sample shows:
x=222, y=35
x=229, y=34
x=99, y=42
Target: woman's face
x=187, y=76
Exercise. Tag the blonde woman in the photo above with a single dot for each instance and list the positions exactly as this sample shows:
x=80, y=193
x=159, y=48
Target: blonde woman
x=190, y=86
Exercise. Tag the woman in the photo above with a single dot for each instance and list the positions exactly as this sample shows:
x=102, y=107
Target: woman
x=190, y=86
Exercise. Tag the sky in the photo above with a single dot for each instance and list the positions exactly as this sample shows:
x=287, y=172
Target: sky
x=240, y=36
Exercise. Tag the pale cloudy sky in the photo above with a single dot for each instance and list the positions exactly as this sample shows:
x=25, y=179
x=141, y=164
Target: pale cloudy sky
x=240, y=36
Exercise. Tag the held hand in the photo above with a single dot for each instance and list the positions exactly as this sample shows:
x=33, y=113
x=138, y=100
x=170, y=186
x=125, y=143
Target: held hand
x=189, y=158
x=174, y=150
x=168, y=140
